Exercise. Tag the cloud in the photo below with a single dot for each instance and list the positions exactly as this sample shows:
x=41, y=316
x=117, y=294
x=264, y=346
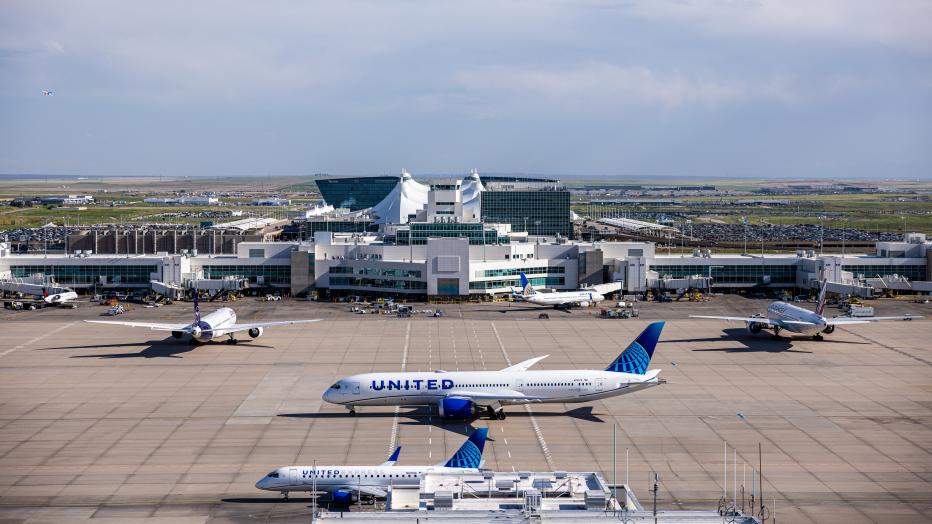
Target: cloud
x=594, y=87
x=902, y=24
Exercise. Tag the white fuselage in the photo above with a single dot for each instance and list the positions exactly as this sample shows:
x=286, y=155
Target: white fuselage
x=428, y=388
x=61, y=298
x=562, y=298
x=332, y=478
x=783, y=311
x=212, y=324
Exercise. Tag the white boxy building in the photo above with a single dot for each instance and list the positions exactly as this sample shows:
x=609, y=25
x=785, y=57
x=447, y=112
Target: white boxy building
x=345, y=263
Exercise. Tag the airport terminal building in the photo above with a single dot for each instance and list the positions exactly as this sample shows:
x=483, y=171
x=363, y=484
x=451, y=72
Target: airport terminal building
x=468, y=237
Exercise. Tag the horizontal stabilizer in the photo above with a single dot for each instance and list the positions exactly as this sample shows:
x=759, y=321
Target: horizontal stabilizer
x=524, y=366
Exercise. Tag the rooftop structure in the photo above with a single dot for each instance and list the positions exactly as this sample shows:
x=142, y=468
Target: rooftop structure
x=356, y=193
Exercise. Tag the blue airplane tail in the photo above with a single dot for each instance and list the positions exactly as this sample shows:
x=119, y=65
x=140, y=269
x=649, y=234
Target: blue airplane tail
x=197, y=309
x=636, y=357
x=526, y=287
x=470, y=453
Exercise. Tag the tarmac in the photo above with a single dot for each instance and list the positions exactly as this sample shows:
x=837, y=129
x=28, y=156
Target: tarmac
x=114, y=424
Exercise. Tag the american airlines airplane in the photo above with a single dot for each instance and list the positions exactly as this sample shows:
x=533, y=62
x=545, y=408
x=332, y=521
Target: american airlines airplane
x=348, y=484
x=213, y=325
x=465, y=395
x=557, y=299
x=61, y=298
x=782, y=315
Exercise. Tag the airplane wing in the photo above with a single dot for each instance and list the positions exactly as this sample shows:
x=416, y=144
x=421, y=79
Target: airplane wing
x=524, y=366
x=864, y=320
x=502, y=394
x=759, y=320
x=244, y=327
x=373, y=491
x=151, y=325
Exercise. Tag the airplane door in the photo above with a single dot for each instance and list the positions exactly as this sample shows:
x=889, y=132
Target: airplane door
x=293, y=477
x=519, y=385
x=354, y=386
x=599, y=384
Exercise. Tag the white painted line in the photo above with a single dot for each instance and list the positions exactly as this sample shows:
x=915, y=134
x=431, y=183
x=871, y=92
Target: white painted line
x=404, y=362
x=534, y=424
x=40, y=337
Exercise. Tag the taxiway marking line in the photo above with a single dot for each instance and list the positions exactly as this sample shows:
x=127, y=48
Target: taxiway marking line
x=530, y=413
x=40, y=337
x=404, y=363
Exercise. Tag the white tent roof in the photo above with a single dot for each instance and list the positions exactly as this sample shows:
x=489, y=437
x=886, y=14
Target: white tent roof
x=406, y=198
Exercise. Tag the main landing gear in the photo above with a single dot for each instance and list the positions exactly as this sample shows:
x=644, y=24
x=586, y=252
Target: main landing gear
x=285, y=496
x=817, y=337
x=232, y=340
x=494, y=414
x=776, y=334
x=352, y=412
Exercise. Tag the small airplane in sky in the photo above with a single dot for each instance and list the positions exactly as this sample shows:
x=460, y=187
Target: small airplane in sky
x=557, y=299
x=47, y=92
x=782, y=315
x=212, y=325
x=465, y=395
x=348, y=484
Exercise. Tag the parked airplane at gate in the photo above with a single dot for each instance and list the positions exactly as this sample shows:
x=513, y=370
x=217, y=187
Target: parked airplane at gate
x=557, y=299
x=213, y=325
x=782, y=315
x=347, y=484
x=467, y=394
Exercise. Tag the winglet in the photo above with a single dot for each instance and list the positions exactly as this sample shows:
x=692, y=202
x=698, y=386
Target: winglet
x=393, y=458
x=636, y=357
x=524, y=366
x=470, y=453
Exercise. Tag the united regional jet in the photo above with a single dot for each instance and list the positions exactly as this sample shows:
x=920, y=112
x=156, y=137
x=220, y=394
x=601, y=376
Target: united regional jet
x=348, y=484
x=467, y=394
x=782, y=315
x=557, y=299
x=212, y=325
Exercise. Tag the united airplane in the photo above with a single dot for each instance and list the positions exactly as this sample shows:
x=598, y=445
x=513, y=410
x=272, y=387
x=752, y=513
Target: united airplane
x=211, y=326
x=347, y=484
x=782, y=315
x=467, y=394
x=557, y=299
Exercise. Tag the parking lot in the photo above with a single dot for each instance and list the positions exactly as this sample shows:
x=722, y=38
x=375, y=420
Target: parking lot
x=116, y=423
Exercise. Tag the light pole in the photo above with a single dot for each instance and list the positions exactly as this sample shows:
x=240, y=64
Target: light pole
x=744, y=220
x=821, y=233
x=844, y=226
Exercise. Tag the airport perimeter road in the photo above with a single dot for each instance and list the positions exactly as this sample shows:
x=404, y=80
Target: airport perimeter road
x=124, y=424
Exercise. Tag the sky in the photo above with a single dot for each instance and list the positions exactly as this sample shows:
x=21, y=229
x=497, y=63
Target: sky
x=676, y=88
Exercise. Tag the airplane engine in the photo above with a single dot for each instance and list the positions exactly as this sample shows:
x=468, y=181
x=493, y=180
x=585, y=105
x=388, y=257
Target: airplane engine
x=828, y=330
x=456, y=408
x=755, y=327
x=343, y=497
x=256, y=332
x=584, y=303
x=177, y=334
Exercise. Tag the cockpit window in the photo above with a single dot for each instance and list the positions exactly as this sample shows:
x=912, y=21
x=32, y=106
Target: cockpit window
x=273, y=475
x=335, y=386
